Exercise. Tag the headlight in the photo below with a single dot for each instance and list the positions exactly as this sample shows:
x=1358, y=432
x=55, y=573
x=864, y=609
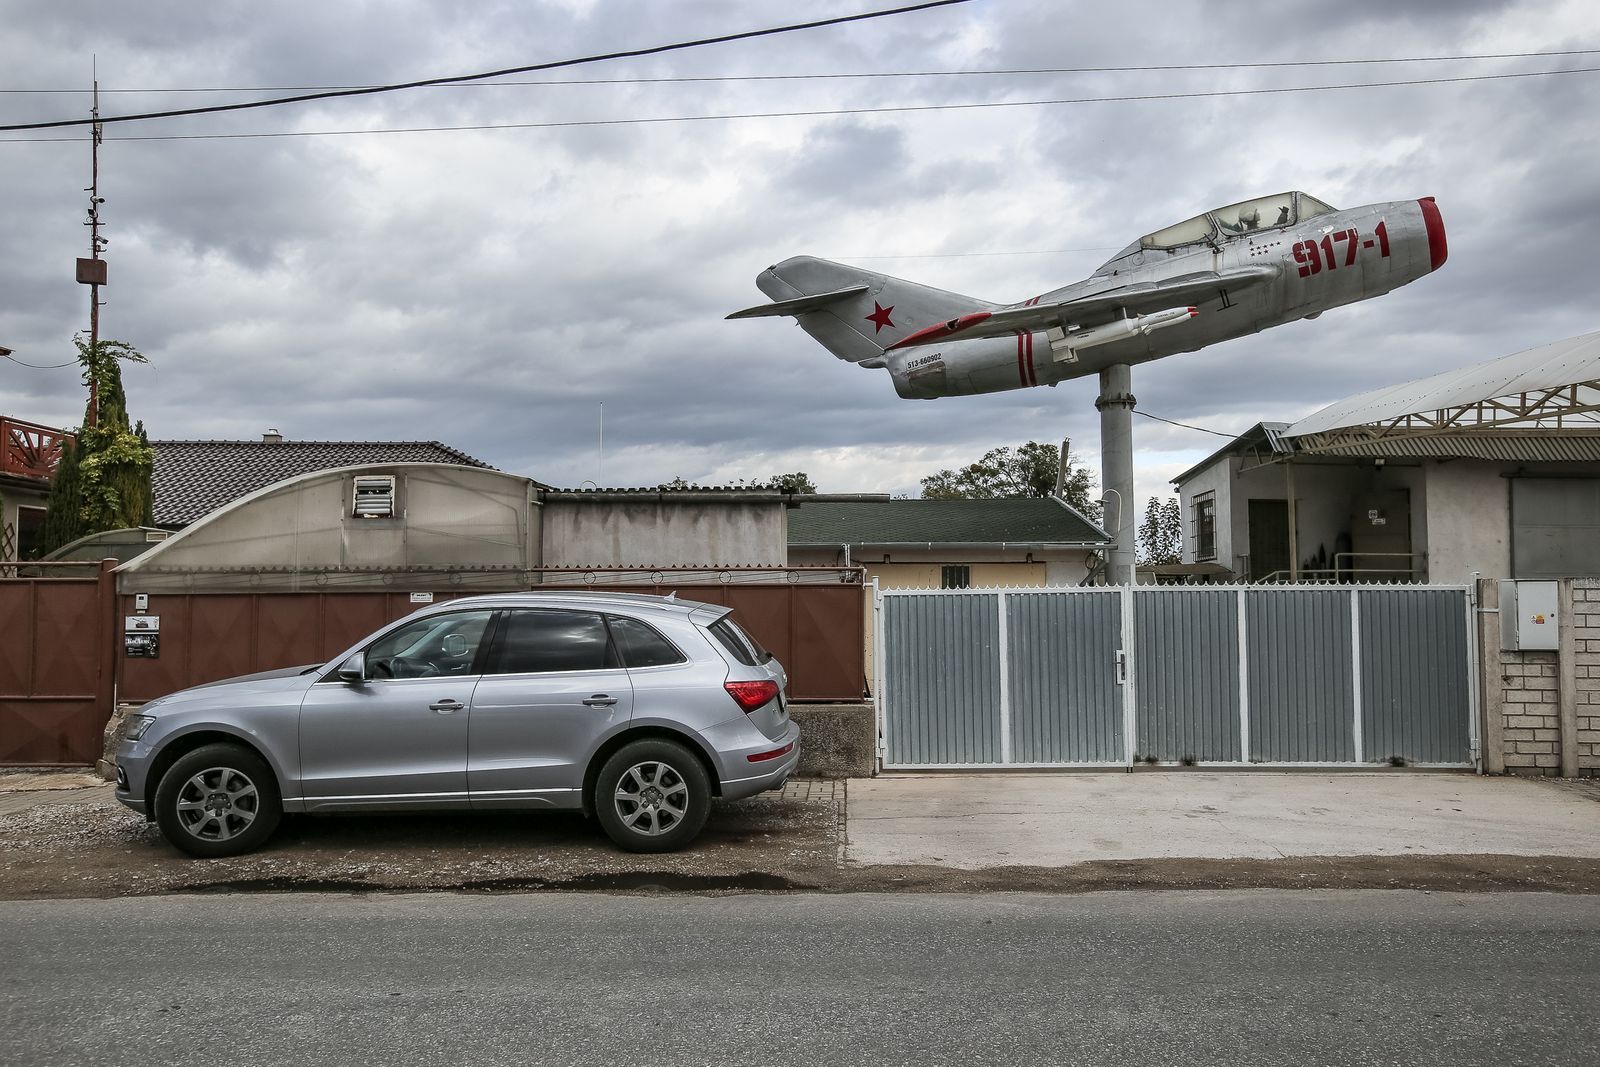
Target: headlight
x=137, y=725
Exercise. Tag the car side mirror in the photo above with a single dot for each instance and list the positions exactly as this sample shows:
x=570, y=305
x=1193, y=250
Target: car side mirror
x=353, y=671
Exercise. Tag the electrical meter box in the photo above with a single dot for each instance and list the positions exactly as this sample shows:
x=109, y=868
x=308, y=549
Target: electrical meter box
x=1528, y=620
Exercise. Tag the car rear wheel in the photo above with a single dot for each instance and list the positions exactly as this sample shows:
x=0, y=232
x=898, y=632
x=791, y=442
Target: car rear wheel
x=219, y=800
x=652, y=796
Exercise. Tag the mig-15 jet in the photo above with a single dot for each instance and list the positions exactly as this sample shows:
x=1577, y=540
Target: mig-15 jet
x=1222, y=274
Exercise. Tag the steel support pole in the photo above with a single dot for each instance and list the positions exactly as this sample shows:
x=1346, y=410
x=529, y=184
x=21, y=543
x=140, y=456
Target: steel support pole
x=1115, y=405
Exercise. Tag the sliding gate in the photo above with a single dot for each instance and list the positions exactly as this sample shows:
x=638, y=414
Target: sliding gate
x=1262, y=675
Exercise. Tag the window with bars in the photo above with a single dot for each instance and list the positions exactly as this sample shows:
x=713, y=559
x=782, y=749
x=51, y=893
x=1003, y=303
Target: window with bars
x=955, y=576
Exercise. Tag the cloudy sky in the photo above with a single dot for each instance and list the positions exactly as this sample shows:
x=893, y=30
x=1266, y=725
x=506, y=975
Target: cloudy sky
x=493, y=288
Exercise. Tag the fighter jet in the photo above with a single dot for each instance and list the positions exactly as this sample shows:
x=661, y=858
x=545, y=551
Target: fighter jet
x=1225, y=273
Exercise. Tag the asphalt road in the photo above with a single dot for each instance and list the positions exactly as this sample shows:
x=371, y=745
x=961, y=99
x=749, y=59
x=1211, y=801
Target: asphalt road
x=1149, y=978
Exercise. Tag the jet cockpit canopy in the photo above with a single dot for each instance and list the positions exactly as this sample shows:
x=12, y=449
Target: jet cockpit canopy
x=1262, y=213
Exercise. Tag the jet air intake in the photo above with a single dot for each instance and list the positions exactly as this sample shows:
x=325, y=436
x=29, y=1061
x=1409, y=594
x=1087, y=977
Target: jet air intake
x=1066, y=344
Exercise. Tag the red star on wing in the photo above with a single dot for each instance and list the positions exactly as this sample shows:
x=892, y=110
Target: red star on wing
x=880, y=316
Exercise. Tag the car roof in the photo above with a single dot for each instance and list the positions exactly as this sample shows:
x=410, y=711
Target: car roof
x=573, y=598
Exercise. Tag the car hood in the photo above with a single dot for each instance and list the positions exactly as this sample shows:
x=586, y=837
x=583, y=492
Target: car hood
x=261, y=682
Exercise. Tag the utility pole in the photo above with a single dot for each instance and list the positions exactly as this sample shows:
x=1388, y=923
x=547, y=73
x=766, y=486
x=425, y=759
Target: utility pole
x=92, y=271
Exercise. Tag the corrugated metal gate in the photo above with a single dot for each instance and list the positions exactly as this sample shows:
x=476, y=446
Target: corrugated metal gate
x=1262, y=675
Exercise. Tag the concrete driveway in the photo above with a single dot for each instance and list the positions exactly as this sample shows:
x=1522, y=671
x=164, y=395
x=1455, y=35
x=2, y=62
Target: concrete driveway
x=974, y=821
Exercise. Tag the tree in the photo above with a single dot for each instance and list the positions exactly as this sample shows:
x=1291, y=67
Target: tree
x=1161, y=533
x=798, y=482
x=1027, y=470
x=103, y=481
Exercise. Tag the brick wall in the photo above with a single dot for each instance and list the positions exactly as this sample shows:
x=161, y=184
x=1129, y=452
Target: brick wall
x=1523, y=691
x=1586, y=671
x=1531, y=712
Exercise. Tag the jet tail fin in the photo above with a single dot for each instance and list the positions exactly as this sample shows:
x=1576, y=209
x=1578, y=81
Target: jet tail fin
x=854, y=313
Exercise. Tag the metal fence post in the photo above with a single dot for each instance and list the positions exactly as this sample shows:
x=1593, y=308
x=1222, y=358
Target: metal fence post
x=1355, y=671
x=1129, y=673
x=1003, y=640
x=1244, y=684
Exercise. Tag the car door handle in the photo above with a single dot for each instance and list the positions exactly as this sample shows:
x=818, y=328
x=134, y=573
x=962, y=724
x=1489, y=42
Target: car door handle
x=600, y=700
x=445, y=707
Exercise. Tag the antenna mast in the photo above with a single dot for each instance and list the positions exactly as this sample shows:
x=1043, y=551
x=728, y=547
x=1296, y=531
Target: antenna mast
x=92, y=271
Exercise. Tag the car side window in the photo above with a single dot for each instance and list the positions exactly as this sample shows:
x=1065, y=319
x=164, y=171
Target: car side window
x=641, y=644
x=546, y=640
x=433, y=646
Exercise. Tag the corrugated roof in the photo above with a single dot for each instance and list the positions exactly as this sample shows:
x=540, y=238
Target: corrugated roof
x=1524, y=447
x=1029, y=520
x=1551, y=366
x=194, y=478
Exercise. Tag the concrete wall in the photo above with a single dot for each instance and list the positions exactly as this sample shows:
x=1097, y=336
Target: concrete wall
x=1542, y=709
x=1218, y=481
x=609, y=529
x=836, y=740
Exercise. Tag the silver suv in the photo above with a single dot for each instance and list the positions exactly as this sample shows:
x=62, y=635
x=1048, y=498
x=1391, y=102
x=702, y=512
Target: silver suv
x=635, y=709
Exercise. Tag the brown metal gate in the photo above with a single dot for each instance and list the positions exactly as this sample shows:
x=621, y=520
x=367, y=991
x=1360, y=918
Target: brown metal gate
x=57, y=639
x=816, y=631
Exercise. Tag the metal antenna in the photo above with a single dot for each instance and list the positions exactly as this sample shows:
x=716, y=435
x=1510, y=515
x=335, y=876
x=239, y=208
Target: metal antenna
x=601, y=473
x=92, y=272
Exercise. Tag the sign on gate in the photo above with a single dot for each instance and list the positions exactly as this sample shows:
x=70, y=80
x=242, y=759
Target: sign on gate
x=1307, y=675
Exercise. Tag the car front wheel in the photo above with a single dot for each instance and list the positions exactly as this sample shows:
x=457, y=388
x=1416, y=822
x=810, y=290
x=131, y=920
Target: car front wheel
x=652, y=796
x=219, y=800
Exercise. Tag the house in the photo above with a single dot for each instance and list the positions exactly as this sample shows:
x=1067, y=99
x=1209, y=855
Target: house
x=1491, y=470
x=29, y=453
x=947, y=544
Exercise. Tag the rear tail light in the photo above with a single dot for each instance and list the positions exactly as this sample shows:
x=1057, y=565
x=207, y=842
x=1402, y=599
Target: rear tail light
x=751, y=695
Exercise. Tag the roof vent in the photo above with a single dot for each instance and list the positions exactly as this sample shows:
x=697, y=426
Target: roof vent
x=272, y=436
x=374, y=496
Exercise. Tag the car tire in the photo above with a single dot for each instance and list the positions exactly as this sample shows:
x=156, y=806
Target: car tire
x=652, y=796
x=219, y=800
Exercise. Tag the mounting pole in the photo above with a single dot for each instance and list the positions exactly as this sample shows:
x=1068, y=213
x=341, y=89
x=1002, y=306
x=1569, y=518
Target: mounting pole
x=1115, y=404
x=92, y=270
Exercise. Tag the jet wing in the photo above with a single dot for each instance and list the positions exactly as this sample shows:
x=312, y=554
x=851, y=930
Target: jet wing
x=1086, y=309
x=799, y=305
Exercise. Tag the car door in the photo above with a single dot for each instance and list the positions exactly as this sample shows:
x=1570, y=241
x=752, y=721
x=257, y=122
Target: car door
x=398, y=738
x=553, y=686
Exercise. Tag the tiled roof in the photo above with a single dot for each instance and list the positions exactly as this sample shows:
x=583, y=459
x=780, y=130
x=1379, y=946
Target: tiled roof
x=1026, y=520
x=194, y=478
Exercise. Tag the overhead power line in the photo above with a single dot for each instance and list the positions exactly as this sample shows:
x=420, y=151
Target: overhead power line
x=825, y=112
x=632, y=53
x=1003, y=71
x=38, y=366
x=1185, y=425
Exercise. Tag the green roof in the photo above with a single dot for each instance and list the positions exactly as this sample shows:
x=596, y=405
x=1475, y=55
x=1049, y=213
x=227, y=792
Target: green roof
x=1019, y=520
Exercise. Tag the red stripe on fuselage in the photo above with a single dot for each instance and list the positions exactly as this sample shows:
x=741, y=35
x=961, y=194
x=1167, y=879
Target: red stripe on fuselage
x=1022, y=370
x=1032, y=378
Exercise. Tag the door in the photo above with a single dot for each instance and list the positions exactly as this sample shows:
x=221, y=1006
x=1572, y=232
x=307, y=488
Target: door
x=400, y=737
x=553, y=687
x=1380, y=536
x=1269, y=539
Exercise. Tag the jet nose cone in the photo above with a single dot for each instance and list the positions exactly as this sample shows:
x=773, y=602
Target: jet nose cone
x=1438, y=250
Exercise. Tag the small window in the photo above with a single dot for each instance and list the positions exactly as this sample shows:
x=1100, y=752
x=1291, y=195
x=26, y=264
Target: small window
x=735, y=640
x=955, y=576
x=641, y=644
x=545, y=640
x=1205, y=527
x=374, y=496
x=1183, y=233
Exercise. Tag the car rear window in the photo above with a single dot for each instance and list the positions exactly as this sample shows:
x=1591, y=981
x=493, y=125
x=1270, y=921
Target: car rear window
x=641, y=644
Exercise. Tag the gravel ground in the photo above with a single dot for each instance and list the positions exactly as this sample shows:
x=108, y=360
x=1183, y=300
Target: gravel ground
x=87, y=845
